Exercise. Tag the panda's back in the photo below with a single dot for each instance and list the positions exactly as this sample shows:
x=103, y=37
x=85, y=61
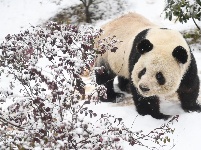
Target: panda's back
x=125, y=29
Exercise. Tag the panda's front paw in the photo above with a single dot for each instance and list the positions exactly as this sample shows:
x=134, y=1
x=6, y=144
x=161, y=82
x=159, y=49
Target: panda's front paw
x=155, y=115
x=160, y=116
x=114, y=97
x=191, y=108
x=119, y=98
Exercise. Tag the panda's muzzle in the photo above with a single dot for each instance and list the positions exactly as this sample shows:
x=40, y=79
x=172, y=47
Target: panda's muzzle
x=143, y=88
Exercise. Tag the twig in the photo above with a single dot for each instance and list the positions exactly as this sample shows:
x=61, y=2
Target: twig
x=4, y=120
x=196, y=23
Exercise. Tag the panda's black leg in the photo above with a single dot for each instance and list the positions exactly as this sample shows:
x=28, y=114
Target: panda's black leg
x=106, y=78
x=123, y=84
x=147, y=105
x=188, y=95
x=188, y=101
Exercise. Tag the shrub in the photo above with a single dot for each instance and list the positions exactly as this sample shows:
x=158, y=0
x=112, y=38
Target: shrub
x=184, y=10
x=192, y=36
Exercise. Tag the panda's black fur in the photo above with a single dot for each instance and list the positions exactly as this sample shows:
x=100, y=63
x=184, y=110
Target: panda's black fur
x=187, y=92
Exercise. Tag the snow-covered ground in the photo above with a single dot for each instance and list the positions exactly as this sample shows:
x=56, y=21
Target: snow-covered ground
x=18, y=15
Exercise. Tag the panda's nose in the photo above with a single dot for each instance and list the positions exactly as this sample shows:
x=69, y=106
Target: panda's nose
x=143, y=88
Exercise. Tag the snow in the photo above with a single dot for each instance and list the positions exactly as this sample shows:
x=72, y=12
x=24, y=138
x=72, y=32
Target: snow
x=20, y=14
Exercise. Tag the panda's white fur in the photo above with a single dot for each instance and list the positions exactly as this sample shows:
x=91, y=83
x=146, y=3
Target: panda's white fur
x=131, y=24
x=159, y=59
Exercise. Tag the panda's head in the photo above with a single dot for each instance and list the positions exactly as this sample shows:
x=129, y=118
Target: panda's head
x=165, y=57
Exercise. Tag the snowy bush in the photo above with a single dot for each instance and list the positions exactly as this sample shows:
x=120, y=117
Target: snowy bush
x=184, y=10
x=41, y=105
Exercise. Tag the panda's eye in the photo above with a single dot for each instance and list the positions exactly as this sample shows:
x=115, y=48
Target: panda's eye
x=141, y=73
x=160, y=78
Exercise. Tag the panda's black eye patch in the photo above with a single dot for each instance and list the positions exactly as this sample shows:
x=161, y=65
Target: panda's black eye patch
x=160, y=78
x=144, y=46
x=141, y=73
x=180, y=54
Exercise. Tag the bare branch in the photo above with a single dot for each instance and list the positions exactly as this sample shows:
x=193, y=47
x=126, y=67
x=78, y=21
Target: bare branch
x=6, y=121
x=196, y=23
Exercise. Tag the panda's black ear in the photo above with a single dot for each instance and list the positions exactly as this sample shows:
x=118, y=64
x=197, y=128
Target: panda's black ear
x=180, y=54
x=144, y=46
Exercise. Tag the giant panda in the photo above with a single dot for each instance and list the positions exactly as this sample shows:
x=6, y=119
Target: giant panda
x=155, y=62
